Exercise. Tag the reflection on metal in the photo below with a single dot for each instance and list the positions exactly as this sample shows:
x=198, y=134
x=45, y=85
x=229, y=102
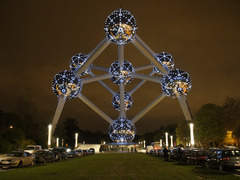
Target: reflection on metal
x=120, y=28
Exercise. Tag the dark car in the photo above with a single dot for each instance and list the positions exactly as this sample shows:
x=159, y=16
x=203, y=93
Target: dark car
x=60, y=153
x=185, y=154
x=91, y=151
x=223, y=159
x=72, y=154
x=44, y=156
x=197, y=157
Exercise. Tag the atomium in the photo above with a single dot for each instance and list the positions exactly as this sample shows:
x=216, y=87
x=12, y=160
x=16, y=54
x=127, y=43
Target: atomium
x=175, y=82
x=127, y=101
x=120, y=26
x=122, y=130
x=166, y=60
x=67, y=84
x=77, y=61
x=121, y=74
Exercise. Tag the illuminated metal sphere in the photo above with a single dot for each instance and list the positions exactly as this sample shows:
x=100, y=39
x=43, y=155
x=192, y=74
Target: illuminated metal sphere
x=120, y=26
x=77, y=61
x=127, y=101
x=121, y=75
x=67, y=84
x=166, y=60
x=122, y=130
x=175, y=82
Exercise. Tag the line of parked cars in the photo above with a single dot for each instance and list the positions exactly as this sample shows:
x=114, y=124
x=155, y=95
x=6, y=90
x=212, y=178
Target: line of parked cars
x=21, y=158
x=227, y=158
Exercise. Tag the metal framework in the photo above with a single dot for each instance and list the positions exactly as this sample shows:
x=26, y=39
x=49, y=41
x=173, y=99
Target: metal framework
x=120, y=28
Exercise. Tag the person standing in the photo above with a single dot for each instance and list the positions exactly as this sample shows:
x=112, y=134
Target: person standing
x=165, y=154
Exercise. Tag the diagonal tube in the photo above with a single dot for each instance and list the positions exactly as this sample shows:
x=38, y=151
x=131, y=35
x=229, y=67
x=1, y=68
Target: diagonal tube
x=148, y=108
x=96, y=78
x=145, y=77
x=95, y=108
x=59, y=107
x=93, y=55
x=147, y=52
x=185, y=108
x=140, y=84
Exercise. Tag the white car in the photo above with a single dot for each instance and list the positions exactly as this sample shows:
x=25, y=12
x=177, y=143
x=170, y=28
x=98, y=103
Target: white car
x=17, y=159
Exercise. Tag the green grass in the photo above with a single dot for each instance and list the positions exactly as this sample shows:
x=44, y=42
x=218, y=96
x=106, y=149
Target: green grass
x=115, y=166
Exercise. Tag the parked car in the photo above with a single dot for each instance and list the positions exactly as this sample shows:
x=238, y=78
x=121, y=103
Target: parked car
x=223, y=159
x=91, y=151
x=80, y=152
x=60, y=153
x=197, y=157
x=85, y=152
x=17, y=159
x=33, y=148
x=44, y=156
x=72, y=154
x=185, y=154
x=174, y=154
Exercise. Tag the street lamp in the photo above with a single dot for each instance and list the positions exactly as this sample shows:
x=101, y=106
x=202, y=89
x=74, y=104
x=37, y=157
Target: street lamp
x=57, y=144
x=144, y=145
x=166, y=134
x=49, y=135
x=161, y=143
x=76, y=140
x=191, y=134
x=171, y=140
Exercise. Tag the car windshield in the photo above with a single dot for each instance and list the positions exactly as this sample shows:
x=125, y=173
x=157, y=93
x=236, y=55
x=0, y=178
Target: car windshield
x=15, y=154
x=232, y=153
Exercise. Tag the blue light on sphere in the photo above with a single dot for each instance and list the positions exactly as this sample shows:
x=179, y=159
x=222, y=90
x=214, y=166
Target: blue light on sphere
x=67, y=84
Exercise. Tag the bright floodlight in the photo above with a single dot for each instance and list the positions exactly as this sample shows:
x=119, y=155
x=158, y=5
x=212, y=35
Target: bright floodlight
x=77, y=61
x=121, y=74
x=127, y=101
x=175, y=82
x=67, y=84
x=122, y=130
x=166, y=60
x=192, y=134
x=120, y=26
x=49, y=134
x=166, y=134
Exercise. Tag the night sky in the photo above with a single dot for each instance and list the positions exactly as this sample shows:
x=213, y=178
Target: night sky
x=38, y=39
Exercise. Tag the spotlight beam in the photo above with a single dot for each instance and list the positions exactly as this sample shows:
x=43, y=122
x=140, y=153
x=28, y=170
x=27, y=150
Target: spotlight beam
x=148, y=108
x=96, y=78
x=95, y=108
x=185, y=108
x=146, y=51
x=103, y=84
x=93, y=55
x=59, y=107
x=140, y=84
x=145, y=77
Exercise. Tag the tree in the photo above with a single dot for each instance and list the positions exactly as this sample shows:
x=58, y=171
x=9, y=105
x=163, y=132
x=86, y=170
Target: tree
x=231, y=113
x=209, y=125
x=183, y=132
x=70, y=128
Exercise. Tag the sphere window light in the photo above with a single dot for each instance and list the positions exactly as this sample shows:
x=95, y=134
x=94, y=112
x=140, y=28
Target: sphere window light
x=121, y=75
x=175, y=82
x=120, y=26
x=122, y=130
x=166, y=60
x=67, y=84
x=127, y=101
x=77, y=61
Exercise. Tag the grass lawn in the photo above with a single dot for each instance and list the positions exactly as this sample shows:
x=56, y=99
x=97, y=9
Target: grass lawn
x=114, y=166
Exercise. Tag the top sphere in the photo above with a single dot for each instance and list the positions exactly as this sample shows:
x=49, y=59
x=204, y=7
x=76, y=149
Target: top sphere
x=120, y=26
